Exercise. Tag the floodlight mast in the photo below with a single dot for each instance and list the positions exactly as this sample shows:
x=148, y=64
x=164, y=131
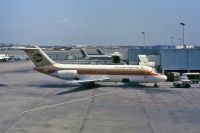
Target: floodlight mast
x=144, y=43
x=183, y=24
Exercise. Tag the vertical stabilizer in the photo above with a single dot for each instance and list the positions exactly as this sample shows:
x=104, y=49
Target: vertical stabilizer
x=100, y=52
x=84, y=53
x=38, y=57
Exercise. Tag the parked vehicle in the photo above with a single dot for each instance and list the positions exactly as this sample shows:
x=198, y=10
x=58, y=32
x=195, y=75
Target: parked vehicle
x=193, y=77
x=182, y=82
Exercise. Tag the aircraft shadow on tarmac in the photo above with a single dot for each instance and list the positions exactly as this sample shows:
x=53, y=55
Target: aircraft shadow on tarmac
x=84, y=87
x=2, y=85
x=79, y=89
x=146, y=89
x=75, y=88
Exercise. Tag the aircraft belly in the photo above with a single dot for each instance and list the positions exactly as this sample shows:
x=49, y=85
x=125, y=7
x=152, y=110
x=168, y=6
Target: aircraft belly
x=132, y=78
x=119, y=78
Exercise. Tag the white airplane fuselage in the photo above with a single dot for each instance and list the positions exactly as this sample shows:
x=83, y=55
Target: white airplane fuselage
x=113, y=73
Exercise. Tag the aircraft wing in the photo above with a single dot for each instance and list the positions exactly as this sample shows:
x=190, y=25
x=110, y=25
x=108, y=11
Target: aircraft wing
x=87, y=80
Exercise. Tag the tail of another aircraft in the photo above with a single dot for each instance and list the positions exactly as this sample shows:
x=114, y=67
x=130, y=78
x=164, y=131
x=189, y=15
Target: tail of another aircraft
x=84, y=53
x=100, y=52
x=38, y=57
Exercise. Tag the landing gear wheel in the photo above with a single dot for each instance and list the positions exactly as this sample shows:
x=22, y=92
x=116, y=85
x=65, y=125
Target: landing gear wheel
x=187, y=85
x=155, y=85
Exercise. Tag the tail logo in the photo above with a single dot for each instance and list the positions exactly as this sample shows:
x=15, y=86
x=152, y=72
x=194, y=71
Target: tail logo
x=37, y=57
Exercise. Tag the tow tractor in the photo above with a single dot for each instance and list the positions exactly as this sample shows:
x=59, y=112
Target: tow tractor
x=182, y=82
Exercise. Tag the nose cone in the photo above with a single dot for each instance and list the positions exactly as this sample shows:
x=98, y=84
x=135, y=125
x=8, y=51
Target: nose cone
x=163, y=77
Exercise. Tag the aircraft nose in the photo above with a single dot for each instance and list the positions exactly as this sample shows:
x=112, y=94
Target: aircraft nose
x=164, y=77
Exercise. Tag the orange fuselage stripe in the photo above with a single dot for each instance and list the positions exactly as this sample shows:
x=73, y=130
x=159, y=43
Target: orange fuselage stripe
x=87, y=71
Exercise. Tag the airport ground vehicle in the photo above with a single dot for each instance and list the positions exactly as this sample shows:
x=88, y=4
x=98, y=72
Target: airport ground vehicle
x=4, y=57
x=193, y=77
x=182, y=82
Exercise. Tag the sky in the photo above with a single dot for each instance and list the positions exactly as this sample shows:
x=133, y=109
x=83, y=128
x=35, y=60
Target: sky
x=99, y=22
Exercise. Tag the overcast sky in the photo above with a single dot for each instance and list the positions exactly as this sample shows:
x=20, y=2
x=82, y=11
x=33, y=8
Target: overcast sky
x=99, y=22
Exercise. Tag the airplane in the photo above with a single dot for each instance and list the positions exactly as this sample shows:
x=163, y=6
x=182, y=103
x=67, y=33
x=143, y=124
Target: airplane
x=100, y=55
x=87, y=73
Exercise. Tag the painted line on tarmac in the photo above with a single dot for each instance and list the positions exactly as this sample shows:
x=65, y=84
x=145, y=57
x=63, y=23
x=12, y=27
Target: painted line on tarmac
x=75, y=100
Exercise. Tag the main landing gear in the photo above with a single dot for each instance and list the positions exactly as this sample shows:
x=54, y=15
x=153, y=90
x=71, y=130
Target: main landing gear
x=155, y=85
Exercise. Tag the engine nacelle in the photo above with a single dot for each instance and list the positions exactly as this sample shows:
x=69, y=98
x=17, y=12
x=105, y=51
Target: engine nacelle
x=65, y=74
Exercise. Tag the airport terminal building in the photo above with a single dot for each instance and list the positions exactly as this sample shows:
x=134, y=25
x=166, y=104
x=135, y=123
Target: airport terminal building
x=168, y=59
x=163, y=58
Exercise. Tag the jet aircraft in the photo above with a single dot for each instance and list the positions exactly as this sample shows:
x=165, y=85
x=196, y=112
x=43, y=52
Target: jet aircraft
x=87, y=73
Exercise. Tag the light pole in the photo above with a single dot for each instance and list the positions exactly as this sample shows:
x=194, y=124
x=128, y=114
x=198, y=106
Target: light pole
x=179, y=41
x=143, y=33
x=172, y=40
x=183, y=24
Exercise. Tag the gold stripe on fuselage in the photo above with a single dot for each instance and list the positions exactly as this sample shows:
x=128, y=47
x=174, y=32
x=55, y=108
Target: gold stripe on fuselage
x=104, y=71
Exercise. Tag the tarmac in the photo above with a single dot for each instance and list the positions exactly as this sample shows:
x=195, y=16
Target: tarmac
x=31, y=102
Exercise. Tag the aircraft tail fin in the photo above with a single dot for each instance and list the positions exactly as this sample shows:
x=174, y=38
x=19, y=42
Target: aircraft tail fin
x=38, y=57
x=100, y=52
x=84, y=53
